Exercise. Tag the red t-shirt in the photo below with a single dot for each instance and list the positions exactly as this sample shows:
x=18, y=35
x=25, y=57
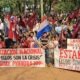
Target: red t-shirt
x=29, y=41
x=2, y=44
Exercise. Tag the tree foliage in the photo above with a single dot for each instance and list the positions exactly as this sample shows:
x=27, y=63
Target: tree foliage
x=66, y=5
x=15, y=5
x=61, y=5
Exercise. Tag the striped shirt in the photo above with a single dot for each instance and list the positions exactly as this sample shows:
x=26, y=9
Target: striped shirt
x=44, y=41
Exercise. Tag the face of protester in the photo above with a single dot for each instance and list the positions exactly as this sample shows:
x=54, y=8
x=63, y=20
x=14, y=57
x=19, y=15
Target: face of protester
x=53, y=39
x=23, y=38
x=27, y=34
x=65, y=32
x=45, y=35
x=57, y=37
x=31, y=34
x=18, y=19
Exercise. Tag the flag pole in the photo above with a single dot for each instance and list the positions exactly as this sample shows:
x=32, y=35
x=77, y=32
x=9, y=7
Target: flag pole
x=42, y=10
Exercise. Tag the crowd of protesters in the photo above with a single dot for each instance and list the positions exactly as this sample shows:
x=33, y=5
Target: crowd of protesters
x=20, y=32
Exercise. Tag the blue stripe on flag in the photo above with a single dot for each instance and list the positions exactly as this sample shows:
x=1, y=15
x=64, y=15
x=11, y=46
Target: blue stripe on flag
x=47, y=28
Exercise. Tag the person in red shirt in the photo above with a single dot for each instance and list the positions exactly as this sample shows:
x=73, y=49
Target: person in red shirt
x=2, y=43
x=31, y=40
x=23, y=42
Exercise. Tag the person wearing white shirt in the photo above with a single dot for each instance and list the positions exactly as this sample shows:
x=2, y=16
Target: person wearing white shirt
x=1, y=28
x=1, y=25
x=58, y=27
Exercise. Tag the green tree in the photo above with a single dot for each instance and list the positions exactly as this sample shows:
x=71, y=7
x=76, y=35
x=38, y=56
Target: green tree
x=64, y=6
x=15, y=5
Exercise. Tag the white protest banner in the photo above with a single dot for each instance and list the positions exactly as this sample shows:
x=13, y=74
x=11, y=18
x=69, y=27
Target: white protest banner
x=32, y=57
x=73, y=44
x=68, y=59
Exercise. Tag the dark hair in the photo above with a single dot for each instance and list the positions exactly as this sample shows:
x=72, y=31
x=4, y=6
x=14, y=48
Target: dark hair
x=53, y=37
x=31, y=32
